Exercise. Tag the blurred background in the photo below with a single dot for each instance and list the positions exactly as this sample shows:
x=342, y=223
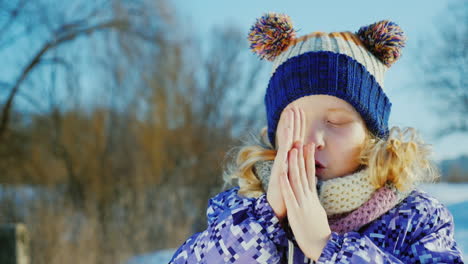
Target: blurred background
x=116, y=115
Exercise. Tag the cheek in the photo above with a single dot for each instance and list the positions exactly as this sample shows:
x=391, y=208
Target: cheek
x=349, y=140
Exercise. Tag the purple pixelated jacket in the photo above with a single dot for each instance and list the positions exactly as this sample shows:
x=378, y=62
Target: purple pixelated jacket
x=246, y=230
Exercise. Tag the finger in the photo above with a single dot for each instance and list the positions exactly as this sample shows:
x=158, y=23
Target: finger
x=310, y=167
x=284, y=140
x=290, y=136
x=294, y=176
x=303, y=125
x=287, y=192
x=297, y=125
x=284, y=128
x=302, y=170
x=286, y=136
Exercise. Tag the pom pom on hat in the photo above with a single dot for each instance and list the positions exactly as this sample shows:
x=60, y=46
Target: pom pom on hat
x=270, y=35
x=384, y=39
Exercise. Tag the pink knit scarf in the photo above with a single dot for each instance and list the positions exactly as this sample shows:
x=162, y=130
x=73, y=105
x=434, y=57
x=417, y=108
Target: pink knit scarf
x=380, y=202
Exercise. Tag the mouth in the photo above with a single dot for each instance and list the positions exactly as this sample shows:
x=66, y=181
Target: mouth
x=319, y=168
x=319, y=165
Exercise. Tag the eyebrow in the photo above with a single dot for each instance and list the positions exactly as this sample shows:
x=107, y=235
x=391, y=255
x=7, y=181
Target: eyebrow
x=339, y=110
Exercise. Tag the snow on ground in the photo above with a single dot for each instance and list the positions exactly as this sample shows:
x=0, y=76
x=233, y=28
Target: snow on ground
x=158, y=257
x=454, y=196
x=448, y=193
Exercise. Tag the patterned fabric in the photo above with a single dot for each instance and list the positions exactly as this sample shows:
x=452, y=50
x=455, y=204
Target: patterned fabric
x=381, y=201
x=246, y=230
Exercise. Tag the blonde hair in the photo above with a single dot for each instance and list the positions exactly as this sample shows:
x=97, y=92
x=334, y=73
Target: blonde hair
x=402, y=159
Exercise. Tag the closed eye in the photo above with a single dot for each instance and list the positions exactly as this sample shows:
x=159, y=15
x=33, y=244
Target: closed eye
x=336, y=123
x=339, y=123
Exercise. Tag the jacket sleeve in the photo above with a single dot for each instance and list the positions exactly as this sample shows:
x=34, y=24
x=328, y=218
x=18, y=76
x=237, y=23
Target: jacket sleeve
x=427, y=238
x=240, y=230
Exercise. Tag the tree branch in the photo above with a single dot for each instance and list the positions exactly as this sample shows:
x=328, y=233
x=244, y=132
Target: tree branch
x=65, y=34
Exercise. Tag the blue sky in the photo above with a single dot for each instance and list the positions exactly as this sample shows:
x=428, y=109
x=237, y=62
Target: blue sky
x=415, y=17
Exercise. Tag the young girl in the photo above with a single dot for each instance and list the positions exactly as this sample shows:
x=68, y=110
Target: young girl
x=328, y=181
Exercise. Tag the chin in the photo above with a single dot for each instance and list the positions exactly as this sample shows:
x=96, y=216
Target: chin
x=329, y=176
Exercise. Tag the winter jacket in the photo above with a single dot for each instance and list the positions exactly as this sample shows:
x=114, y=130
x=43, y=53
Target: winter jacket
x=245, y=230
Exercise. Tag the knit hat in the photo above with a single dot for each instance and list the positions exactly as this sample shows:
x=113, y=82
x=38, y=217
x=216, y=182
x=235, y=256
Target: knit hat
x=346, y=65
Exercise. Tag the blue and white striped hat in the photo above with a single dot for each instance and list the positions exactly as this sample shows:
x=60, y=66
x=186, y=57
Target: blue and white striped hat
x=350, y=66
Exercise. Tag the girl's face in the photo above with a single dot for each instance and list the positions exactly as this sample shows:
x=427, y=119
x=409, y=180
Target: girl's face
x=337, y=130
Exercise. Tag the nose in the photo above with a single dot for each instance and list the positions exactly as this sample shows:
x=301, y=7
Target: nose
x=317, y=136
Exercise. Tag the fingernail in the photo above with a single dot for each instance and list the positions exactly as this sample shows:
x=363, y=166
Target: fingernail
x=297, y=144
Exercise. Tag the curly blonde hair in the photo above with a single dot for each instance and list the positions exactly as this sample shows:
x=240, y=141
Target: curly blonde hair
x=402, y=159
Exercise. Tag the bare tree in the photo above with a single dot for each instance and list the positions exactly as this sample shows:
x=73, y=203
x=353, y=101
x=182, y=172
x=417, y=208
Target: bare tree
x=50, y=27
x=130, y=169
x=443, y=59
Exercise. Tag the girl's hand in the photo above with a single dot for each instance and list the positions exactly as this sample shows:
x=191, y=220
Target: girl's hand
x=306, y=216
x=289, y=130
